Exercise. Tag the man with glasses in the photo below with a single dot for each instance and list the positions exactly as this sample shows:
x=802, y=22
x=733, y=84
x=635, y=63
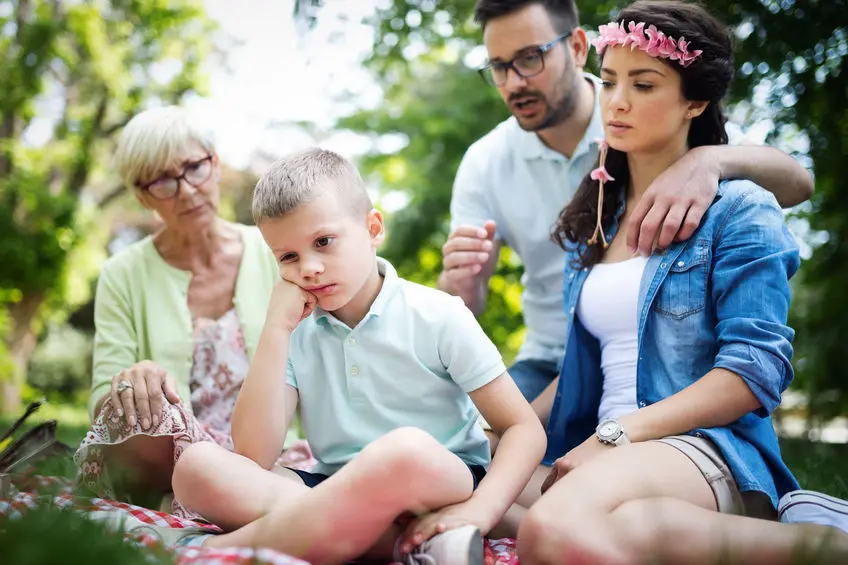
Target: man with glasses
x=513, y=183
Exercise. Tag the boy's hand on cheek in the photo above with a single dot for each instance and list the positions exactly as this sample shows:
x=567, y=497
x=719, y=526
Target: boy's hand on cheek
x=289, y=305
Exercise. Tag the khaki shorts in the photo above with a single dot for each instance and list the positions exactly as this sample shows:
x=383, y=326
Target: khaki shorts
x=709, y=460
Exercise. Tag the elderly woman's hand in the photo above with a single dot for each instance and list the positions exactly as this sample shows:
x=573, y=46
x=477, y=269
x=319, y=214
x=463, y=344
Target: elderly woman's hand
x=142, y=390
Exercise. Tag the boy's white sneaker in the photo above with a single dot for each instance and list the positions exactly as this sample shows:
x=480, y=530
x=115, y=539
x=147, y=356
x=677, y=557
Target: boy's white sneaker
x=460, y=546
x=811, y=507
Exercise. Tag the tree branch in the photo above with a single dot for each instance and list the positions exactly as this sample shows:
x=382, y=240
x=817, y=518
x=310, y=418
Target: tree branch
x=82, y=167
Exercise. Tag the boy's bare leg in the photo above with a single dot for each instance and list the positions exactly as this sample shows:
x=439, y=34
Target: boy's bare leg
x=345, y=516
x=228, y=489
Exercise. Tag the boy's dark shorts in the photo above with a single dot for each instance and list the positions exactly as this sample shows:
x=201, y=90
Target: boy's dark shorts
x=312, y=480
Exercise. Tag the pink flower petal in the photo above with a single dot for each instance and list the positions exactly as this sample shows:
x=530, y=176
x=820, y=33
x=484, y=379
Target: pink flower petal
x=600, y=174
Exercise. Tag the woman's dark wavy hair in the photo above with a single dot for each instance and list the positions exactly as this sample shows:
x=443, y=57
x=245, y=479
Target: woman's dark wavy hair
x=706, y=79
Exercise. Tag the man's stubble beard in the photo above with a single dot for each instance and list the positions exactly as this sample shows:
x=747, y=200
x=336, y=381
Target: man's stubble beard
x=564, y=109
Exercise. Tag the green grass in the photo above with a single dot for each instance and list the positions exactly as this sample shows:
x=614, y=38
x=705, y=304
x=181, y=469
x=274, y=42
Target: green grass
x=817, y=466
x=49, y=536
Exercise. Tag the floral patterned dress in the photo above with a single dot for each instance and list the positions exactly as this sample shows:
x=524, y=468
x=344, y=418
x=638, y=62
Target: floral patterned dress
x=218, y=371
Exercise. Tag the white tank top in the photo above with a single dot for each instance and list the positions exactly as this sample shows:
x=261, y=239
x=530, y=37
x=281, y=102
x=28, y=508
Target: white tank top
x=609, y=310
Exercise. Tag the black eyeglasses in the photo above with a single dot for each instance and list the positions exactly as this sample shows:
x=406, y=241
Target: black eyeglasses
x=527, y=64
x=194, y=173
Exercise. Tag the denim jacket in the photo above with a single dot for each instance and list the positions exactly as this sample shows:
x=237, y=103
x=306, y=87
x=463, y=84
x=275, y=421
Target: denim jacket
x=717, y=300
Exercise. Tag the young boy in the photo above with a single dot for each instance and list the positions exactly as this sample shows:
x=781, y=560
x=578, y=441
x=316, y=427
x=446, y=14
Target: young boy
x=389, y=375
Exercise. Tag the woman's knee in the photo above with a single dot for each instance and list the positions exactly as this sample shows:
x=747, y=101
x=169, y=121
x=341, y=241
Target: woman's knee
x=541, y=538
x=568, y=531
x=645, y=524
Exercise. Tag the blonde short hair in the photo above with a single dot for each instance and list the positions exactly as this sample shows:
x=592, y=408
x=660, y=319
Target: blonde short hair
x=156, y=140
x=301, y=177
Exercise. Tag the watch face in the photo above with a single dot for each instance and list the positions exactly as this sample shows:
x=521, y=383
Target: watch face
x=609, y=429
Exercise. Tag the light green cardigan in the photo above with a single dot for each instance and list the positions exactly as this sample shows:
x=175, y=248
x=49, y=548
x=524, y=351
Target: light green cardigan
x=141, y=311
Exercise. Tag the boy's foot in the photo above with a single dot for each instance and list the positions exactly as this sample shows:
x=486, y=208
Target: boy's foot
x=460, y=546
x=808, y=506
x=171, y=538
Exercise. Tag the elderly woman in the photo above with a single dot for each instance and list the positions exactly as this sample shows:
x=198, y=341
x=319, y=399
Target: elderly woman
x=177, y=316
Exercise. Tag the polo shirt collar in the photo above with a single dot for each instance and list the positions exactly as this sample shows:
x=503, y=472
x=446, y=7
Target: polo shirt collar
x=391, y=282
x=532, y=147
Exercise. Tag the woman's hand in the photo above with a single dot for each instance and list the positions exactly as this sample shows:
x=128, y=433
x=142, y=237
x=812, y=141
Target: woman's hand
x=587, y=450
x=142, y=389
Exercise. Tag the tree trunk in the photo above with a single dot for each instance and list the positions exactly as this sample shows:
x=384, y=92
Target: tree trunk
x=21, y=344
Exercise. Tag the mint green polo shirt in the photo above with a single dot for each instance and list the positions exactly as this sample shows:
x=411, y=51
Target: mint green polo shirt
x=411, y=361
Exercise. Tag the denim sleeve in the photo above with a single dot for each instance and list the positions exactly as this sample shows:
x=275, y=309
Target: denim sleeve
x=754, y=258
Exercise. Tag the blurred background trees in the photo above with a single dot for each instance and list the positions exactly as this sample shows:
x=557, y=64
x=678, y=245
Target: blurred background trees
x=72, y=74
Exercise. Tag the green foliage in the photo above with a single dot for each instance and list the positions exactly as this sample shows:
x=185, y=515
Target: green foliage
x=36, y=228
x=61, y=364
x=72, y=74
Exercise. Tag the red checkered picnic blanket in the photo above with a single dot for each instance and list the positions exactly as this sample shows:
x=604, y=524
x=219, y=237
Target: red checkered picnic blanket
x=498, y=552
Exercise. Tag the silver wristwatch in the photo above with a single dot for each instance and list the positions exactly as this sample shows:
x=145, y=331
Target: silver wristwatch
x=611, y=432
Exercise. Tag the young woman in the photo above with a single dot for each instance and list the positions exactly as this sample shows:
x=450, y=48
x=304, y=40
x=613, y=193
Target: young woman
x=673, y=362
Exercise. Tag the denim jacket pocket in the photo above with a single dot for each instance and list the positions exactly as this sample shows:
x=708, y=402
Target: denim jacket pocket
x=684, y=290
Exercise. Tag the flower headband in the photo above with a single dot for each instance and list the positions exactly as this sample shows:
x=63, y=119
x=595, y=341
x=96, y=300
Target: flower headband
x=656, y=44
x=653, y=42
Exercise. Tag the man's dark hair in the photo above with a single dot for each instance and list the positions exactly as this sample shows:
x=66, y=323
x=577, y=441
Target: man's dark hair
x=563, y=13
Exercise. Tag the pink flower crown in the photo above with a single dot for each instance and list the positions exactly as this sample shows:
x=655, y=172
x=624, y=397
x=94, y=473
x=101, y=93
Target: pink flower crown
x=653, y=42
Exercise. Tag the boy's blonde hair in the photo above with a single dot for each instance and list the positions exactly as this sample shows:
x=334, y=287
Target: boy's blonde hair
x=301, y=177
x=156, y=140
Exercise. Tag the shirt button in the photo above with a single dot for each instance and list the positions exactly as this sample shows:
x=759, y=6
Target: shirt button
x=571, y=276
x=680, y=263
x=354, y=370
x=662, y=265
x=642, y=403
x=351, y=340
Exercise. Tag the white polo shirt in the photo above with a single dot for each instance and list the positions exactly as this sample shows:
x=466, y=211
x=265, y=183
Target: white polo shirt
x=511, y=177
x=411, y=361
